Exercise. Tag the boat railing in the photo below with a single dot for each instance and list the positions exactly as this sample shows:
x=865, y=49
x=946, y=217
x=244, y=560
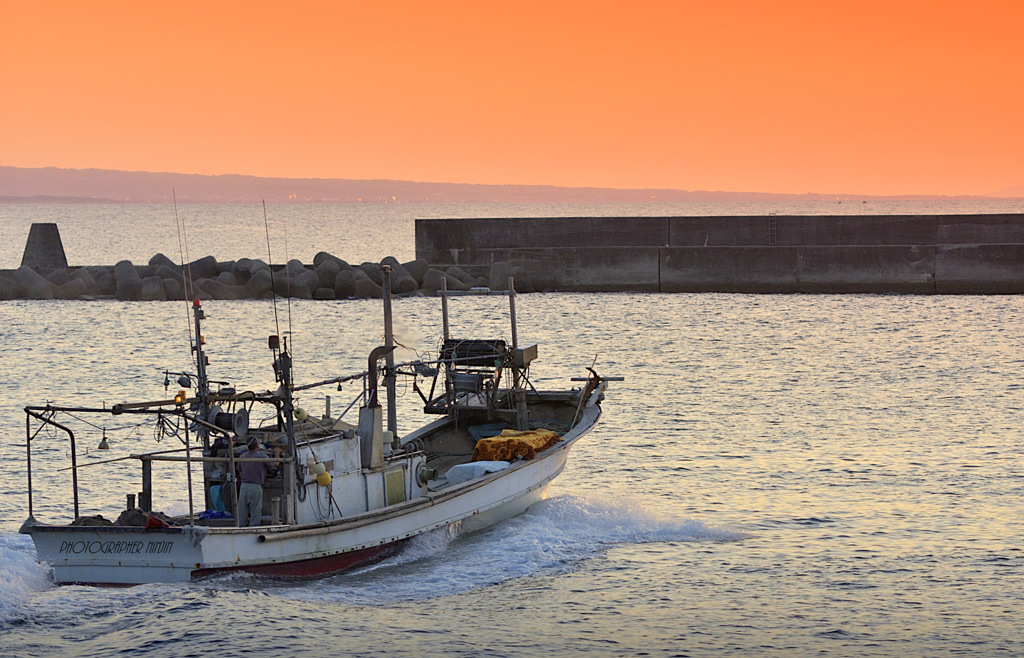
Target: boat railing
x=47, y=416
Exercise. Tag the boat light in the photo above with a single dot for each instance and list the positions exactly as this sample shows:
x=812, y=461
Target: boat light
x=180, y=398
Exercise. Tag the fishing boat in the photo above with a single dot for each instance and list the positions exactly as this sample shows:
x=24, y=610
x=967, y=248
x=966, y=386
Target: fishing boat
x=340, y=491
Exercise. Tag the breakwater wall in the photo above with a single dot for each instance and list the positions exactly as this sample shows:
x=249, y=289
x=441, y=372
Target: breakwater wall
x=45, y=274
x=921, y=254
x=328, y=277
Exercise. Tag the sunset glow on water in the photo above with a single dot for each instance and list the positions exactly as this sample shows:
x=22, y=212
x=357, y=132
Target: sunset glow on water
x=781, y=474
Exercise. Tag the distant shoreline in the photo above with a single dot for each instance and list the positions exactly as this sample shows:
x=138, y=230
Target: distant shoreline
x=51, y=185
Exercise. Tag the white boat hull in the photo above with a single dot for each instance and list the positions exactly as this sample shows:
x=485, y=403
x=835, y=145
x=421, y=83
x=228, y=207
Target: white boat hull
x=112, y=555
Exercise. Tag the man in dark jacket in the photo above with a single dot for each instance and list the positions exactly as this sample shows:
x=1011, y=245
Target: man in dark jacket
x=252, y=476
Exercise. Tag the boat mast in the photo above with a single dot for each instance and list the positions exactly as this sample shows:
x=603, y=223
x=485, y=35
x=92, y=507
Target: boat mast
x=283, y=374
x=203, y=390
x=203, y=384
x=522, y=418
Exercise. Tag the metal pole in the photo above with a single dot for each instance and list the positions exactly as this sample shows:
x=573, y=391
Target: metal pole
x=188, y=470
x=512, y=310
x=146, y=499
x=204, y=384
x=28, y=460
x=389, y=358
x=74, y=459
x=287, y=411
x=518, y=394
x=444, y=305
x=74, y=473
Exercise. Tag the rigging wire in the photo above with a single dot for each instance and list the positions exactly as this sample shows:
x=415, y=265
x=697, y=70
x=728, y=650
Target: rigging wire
x=289, y=283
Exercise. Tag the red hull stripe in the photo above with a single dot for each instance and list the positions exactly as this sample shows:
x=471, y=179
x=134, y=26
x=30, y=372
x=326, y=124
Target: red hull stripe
x=317, y=566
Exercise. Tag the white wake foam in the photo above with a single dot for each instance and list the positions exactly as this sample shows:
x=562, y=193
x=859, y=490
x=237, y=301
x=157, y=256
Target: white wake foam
x=20, y=575
x=552, y=536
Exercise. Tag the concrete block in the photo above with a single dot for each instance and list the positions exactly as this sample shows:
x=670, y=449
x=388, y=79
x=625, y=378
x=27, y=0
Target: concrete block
x=522, y=280
x=372, y=271
x=497, y=278
x=286, y=287
x=298, y=275
x=159, y=259
x=345, y=285
x=259, y=284
x=401, y=280
x=366, y=287
x=165, y=272
x=85, y=276
x=128, y=284
x=456, y=272
x=173, y=289
x=323, y=293
x=203, y=268
x=31, y=285
x=326, y=273
x=43, y=249
x=58, y=277
x=221, y=290
x=104, y=277
x=152, y=290
x=323, y=257
x=197, y=290
x=416, y=269
x=73, y=289
x=433, y=278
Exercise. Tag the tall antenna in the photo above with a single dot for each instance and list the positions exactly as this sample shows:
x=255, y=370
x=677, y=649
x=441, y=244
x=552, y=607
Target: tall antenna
x=270, y=263
x=289, y=280
x=182, y=254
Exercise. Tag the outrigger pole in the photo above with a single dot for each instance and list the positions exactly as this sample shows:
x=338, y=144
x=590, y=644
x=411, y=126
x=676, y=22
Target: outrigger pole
x=28, y=448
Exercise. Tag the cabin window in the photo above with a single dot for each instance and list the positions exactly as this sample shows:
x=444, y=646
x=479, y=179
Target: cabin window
x=394, y=486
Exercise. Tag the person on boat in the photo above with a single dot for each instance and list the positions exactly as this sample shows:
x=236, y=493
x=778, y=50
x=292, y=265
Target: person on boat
x=221, y=497
x=252, y=475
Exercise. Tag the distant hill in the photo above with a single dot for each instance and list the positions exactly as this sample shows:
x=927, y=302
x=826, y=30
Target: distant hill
x=1010, y=192
x=53, y=185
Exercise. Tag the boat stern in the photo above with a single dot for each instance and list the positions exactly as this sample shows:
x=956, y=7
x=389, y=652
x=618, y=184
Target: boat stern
x=117, y=556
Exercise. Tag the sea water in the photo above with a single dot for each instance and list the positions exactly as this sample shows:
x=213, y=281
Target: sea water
x=778, y=474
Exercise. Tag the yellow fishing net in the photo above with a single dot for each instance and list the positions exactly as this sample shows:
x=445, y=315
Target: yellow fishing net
x=513, y=443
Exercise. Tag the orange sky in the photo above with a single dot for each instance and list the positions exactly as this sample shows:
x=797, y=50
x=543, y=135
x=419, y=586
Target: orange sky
x=869, y=97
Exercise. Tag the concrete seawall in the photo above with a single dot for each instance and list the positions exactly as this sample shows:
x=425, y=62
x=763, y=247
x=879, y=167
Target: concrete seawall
x=931, y=254
x=922, y=254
